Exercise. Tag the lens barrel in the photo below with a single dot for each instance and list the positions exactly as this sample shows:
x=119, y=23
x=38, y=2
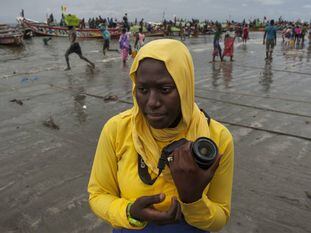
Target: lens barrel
x=204, y=152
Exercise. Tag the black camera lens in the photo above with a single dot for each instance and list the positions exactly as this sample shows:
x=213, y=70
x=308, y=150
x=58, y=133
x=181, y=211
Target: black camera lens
x=204, y=151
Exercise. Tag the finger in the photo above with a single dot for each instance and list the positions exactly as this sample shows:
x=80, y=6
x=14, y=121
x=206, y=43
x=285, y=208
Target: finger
x=165, y=216
x=172, y=162
x=150, y=200
x=186, y=158
x=215, y=165
x=173, y=208
x=178, y=216
x=182, y=154
x=151, y=214
x=177, y=150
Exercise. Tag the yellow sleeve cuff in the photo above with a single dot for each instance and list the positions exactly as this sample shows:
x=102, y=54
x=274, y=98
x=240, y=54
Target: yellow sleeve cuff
x=193, y=211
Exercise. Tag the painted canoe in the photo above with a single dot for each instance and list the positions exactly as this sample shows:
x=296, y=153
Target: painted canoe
x=43, y=29
x=10, y=36
x=8, y=39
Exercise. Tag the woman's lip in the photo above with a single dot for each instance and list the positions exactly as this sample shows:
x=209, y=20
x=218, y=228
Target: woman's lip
x=155, y=116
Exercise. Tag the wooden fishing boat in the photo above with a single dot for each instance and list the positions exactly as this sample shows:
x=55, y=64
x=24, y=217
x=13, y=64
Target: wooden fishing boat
x=155, y=34
x=10, y=36
x=43, y=29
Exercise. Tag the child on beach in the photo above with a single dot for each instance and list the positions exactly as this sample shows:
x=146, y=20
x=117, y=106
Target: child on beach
x=139, y=42
x=106, y=37
x=217, y=48
x=292, y=38
x=287, y=37
x=75, y=48
x=229, y=46
x=124, y=43
x=139, y=39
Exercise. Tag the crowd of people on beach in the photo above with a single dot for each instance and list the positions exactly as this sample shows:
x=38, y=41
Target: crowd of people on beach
x=293, y=34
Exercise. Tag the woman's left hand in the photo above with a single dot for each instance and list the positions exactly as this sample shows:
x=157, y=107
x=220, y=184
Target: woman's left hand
x=189, y=178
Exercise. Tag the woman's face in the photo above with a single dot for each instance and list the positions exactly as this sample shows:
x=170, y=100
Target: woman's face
x=157, y=95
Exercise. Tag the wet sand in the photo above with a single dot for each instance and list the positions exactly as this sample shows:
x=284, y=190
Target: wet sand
x=44, y=171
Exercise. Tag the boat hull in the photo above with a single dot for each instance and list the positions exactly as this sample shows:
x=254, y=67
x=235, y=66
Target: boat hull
x=42, y=29
x=11, y=39
x=10, y=36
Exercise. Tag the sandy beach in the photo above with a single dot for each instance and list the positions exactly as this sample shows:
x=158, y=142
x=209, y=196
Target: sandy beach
x=44, y=171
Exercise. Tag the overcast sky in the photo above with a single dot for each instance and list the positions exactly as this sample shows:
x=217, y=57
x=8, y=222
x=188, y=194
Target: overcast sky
x=152, y=10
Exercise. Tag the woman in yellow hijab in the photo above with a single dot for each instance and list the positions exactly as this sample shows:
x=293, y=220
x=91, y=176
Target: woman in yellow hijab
x=184, y=197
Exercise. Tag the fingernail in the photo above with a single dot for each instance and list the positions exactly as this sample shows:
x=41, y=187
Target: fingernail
x=161, y=196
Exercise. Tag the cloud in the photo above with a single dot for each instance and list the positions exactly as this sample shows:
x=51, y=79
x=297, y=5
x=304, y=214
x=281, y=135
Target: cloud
x=270, y=2
x=153, y=10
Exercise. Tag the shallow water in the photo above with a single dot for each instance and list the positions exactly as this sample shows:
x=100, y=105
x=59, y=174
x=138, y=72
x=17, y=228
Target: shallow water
x=249, y=71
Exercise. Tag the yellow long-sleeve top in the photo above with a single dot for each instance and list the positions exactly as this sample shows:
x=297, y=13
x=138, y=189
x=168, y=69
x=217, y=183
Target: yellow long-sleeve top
x=114, y=180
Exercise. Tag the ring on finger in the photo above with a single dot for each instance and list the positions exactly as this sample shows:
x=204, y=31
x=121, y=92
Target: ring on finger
x=170, y=159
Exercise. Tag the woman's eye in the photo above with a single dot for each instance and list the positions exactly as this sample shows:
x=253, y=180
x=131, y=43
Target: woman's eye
x=166, y=89
x=142, y=90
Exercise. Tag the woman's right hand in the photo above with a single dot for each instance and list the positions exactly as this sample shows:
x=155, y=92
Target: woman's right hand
x=142, y=209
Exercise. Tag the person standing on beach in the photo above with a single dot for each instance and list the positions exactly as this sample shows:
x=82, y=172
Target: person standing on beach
x=298, y=33
x=141, y=24
x=217, y=48
x=181, y=32
x=229, y=46
x=124, y=43
x=269, y=39
x=245, y=33
x=126, y=22
x=303, y=34
x=287, y=37
x=75, y=48
x=106, y=37
x=139, y=39
x=124, y=188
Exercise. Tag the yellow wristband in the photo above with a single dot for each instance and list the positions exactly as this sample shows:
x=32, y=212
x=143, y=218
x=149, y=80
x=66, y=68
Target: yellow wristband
x=134, y=222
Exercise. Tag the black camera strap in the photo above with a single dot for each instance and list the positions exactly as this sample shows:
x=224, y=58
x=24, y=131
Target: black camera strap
x=208, y=118
x=143, y=168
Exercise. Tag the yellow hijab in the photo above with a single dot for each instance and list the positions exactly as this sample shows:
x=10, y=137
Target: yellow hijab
x=148, y=141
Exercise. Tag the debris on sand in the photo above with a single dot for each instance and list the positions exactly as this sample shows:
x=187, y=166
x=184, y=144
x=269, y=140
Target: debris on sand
x=111, y=98
x=17, y=101
x=79, y=97
x=50, y=123
x=26, y=80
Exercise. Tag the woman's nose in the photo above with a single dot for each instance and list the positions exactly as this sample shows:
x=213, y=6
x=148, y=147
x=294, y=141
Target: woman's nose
x=153, y=99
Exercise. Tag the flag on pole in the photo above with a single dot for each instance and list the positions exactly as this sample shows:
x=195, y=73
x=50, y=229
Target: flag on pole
x=63, y=8
x=72, y=20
